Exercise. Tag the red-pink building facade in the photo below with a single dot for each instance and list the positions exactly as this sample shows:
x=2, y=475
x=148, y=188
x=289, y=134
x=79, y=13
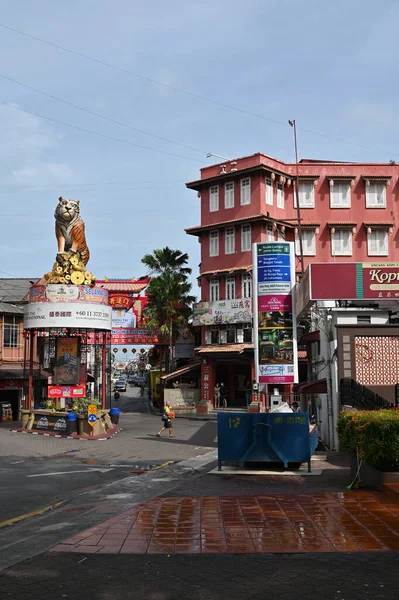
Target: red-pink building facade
x=347, y=210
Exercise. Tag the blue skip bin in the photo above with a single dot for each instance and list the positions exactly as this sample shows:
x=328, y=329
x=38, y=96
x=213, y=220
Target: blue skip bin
x=266, y=438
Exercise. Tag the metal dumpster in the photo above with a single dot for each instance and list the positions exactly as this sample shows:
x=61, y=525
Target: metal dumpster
x=266, y=438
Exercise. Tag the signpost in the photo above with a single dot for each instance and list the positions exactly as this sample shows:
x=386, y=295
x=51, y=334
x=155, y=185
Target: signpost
x=274, y=316
x=92, y=415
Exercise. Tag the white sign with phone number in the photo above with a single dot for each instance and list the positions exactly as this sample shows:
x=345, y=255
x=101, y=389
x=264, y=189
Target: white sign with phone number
x=67, y=314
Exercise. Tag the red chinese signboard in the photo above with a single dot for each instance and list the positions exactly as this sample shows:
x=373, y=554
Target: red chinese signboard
x=205, y=383
x=122, y=302
x=66, y=391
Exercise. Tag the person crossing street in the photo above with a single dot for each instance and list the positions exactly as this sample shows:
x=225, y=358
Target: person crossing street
x=167, y=417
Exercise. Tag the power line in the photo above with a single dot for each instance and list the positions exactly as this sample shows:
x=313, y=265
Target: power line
x=108, y=137
x=91, y=112
x=183, y=91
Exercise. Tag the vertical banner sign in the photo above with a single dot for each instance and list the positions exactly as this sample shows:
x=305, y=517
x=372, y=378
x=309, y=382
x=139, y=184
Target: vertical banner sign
x=274, y=313
x=67, y=365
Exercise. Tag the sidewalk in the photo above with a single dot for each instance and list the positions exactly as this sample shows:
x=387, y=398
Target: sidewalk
x=223, y=537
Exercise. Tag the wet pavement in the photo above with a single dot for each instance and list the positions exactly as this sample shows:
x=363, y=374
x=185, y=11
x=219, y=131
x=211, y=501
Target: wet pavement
x=329, y=522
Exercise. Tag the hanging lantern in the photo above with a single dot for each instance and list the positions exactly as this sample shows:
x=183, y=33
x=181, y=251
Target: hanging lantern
x=315, y=183
x=368, y=183
x=352, y=183
x=124, y=350
x=289, y=182
x=115, y=350
x=390, y=230
x=134, y=350
x=281, y=179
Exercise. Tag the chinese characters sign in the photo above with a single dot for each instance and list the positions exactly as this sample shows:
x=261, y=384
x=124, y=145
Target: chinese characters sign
x=274, y=318
x=226, y=311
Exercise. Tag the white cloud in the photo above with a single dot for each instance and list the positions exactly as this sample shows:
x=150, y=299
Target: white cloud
x=24, y=145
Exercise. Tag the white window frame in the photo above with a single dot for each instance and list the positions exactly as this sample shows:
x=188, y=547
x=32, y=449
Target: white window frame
x=229, y=194
x=245, y=191
x=229, y=240
x=246, y=285
x=305, y=194
x=371, y=194
x=214, y=198
x=280, y=195
x=308, y=242
x=269, y=189
x=337, y=242
x=333, y=191
x=230, y=288
x=245, y=230
x=214, y=290
x=375, y=252
x=214, y=243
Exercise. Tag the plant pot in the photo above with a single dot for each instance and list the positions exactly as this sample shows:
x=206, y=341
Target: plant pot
x=84, y=428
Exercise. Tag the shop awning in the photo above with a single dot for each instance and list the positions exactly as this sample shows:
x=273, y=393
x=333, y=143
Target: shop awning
x=308, y=338
x=220, y=348
x=181, y=371
x=313, y=387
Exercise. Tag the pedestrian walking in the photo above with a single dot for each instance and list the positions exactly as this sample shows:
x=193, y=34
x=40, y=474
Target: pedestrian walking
x=167, y=417
x=248, y=392
x=217, y=395
x=223, y=395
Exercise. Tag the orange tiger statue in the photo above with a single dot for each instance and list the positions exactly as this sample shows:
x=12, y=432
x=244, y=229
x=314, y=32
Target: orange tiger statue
x=70, y=229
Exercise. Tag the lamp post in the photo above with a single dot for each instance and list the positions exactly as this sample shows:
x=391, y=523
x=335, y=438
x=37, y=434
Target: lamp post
x=298, y=209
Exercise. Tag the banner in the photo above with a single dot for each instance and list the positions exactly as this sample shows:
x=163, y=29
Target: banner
x=134, y=336
x=274, y=317
x=223, y=311
x=66, y=391
x=68, y=293
x=67, y=361
x=67, y=314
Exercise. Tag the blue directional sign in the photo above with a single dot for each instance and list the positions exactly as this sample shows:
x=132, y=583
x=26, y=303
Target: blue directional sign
x=274, y=260
x=92, y=418
x=273, y=274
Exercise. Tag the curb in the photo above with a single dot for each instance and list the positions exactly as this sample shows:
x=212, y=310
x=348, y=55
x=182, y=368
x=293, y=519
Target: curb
x=85, y=438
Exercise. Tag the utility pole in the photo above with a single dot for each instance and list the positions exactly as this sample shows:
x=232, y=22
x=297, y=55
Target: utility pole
x=298, y=208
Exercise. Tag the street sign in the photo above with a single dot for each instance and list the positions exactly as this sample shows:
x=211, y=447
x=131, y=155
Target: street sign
x=92, y=414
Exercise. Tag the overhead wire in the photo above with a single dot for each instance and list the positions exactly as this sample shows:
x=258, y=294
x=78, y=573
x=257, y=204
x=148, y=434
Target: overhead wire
x=183, y=91
x=96, y=114
x=103, y=135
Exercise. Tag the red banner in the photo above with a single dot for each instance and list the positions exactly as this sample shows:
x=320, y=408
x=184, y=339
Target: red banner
x=135, y=336
x=66, y=391
x=121, y=302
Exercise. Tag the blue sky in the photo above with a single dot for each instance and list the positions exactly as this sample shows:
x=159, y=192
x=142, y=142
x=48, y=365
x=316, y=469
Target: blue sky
x=330, y=65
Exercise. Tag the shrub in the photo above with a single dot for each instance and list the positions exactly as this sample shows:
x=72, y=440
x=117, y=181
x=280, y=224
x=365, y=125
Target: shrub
x=81, y=405
x=375, y=434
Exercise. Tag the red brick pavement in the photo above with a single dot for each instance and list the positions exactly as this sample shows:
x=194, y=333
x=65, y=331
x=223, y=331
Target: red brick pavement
x=290, y=523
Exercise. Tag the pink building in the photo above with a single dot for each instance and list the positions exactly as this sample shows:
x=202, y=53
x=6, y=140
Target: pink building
x=348, y=214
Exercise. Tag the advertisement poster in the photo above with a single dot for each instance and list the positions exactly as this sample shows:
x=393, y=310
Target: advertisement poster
x=274, y=317
x=65, y=315
x=66, y=371
x=128, y=322
x=68, y=293
x=223, y=311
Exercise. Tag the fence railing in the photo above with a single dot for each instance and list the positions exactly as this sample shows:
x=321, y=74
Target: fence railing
x=359, y=396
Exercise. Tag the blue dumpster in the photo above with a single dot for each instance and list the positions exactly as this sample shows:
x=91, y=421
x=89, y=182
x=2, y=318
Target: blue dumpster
x=266, y=438
x=114, y=415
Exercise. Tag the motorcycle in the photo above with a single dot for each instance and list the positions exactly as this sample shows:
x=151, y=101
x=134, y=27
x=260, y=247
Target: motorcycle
x=116, y=395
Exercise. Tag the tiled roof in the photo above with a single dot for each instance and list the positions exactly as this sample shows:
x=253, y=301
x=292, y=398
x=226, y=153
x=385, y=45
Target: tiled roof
x=341, y=224
x=262, y=217
x=11, y=309
x=15, y=289
x=310, y=224
x=377, y=177
x=123, y=285
x=378, y=224
x=219, y=348
x=231, y=270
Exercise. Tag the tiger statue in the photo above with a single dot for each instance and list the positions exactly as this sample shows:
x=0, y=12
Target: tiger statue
x=70, y=229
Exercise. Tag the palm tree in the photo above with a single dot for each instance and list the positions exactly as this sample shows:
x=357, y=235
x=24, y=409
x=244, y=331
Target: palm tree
x=169, y=305
x=166, y=259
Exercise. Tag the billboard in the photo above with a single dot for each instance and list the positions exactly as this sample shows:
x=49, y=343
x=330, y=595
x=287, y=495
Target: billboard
x=348, y=281
x=66, y=371
x=68, y=293
x=223, y=311
x=128, y=322
x=274, y=313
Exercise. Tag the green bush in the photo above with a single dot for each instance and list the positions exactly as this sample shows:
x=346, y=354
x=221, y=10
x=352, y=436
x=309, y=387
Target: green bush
x=376, y=435
x=81, y=405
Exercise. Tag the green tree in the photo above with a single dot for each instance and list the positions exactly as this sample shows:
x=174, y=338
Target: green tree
x=166, y=259
x=169, y=298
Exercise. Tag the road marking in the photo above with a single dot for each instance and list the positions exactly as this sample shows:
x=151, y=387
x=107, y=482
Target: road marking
x=34, y=513
x=17, y=462
x=70, y=472
x=165, y=464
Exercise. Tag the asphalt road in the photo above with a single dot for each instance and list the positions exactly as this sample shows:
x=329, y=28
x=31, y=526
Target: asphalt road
x=39, y=471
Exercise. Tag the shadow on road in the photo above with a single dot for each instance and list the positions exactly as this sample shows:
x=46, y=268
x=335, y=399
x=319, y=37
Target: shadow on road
x=205, y=436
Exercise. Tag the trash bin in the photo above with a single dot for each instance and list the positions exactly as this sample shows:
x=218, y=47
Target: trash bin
x=72, y=422
x=114, y=414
